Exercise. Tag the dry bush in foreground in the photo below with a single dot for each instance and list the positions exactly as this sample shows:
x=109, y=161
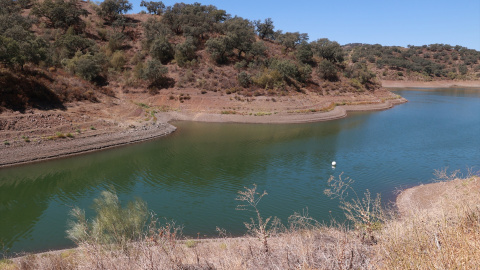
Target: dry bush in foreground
x=323, y=248
x=443, y=233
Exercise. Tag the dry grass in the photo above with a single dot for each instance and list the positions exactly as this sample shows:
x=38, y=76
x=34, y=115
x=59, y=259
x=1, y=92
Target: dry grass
x=324, y=248
x=443, y=232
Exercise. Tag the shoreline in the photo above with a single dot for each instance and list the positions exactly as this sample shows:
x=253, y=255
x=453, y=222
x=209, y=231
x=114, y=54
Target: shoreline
x=431, y=84
x=47, y=150
x=425, y=197
x=338, y=112
x=53, y=149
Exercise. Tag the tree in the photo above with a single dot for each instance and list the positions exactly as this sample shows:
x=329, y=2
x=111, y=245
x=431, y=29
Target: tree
x=463, y=69
x=304, y=52
x=111, y=10
x=265, y=29
x=17, y=44
x=154, y=29
x=219, y=49
x=328, y=70
x=240, y=34
x=329, y=50
x=162, y=50
x=8, y=7
x=69, y=44
x=185, y=52
x=61, y=14
x=86, y=66
x=193, y=19
x=153, y=7
x=290, y=40
x=258, y=49
x=154, y=71
x=287, y=68
x=361, y=72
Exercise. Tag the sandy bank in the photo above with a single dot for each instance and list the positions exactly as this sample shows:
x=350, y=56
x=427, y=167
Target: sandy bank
x=433, y=196
x=284, y=118
x=66, y=147
x=432, y=84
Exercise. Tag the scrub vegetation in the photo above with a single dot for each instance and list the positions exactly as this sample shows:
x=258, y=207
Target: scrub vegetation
x=440, y=233
x=58, y=51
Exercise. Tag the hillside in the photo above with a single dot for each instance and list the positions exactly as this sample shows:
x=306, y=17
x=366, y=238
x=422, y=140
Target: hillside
x=57, y=52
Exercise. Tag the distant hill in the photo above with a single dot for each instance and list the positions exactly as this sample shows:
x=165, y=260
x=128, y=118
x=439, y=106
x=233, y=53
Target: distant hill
x=428, y=62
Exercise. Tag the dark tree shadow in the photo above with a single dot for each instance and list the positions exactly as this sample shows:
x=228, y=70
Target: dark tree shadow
x=21, y=93
x=161, y=83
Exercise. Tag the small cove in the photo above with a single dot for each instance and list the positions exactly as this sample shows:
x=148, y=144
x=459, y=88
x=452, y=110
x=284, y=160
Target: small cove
x=194, y=174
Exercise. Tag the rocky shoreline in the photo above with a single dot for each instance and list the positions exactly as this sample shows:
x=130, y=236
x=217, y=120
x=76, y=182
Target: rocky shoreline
x=49, y=149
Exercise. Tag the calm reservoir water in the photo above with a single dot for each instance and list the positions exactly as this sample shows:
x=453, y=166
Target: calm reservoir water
x=193, y=175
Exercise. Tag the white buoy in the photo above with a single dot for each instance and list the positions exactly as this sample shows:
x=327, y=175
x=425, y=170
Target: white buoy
x=334, y=163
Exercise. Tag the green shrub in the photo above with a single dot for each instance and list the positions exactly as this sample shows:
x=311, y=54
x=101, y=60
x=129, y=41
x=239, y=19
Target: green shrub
x=463, y=69
x=304, y=53
x=285, y=67
x=154, y=70
x=86, y=66
x=116, y=41
x=269, y=79
x=162, y=50
x=244, y=79
x=185, y=52
x=327, y=70
x=112, y=223
x=118, y=60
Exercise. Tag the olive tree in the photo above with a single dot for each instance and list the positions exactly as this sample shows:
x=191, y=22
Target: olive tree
x=154, y=71
x=291, y=39
x=18, y=45
x=304, y=52
x=162, y=50
x=265, y=28
x=153, y=7
x=219, y=49
x=61, y=13
x=329, y=50
x=185, y=52
x=327, y=70
x=111, y=10
x=240, y=33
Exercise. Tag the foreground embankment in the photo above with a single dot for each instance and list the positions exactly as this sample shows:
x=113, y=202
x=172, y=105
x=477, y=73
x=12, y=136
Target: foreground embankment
x=439, y=228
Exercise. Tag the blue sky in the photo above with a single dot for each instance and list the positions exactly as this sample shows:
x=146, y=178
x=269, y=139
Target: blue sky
x=370, y=21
